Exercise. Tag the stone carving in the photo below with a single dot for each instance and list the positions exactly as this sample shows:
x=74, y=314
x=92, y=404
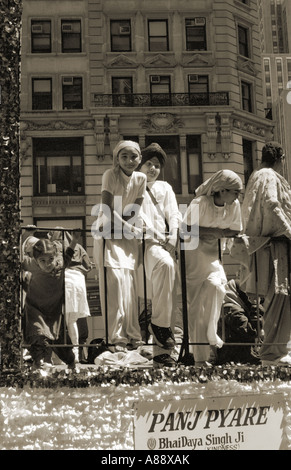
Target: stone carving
x=161, y=122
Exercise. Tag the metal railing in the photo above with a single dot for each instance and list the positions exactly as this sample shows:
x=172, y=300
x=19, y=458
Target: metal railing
x=184, y=345
x=137, y=100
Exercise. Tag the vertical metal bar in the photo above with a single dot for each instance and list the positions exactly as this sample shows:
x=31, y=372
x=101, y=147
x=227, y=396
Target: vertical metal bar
x=257, y=294
x=185, y=342
x=64, y=287
x=222, y=308
x=145, y=288
x=105, y=294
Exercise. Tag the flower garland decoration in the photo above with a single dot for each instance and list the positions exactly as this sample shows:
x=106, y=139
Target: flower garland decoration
x=10, y=21
x=90, y=376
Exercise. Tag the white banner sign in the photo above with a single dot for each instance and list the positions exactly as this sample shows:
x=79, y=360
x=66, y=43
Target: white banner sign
x=248, y=422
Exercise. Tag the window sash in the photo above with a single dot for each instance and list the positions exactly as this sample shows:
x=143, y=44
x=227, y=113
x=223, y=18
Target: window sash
x=41, y=93
x=41, y=41
x=243, y=41
x=73, y=94
x=71, y=41
x=158, y=35
x=196, y=38
x=120, y=42
x=58, y=167
x=246, y=91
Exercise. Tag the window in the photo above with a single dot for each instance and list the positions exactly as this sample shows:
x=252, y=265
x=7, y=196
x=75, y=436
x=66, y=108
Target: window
x=40, y=36
x=58, y=166
x=246, y=92
x=172, y=170
x=243, y=41
x=198, y=89
x=41, y=93
x=194, y=162
x=120, y=35
x=72, y=93
x=247, y=158
x=71, y=36
x=196, y=34
x=158, y=35
x=160, y=90
x=122, y=91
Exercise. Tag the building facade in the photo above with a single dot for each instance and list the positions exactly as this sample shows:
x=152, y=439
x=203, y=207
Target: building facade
x=186, y=74
x=275, y=38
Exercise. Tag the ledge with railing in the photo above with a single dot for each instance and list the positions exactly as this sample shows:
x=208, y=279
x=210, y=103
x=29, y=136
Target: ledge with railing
x=161, y=99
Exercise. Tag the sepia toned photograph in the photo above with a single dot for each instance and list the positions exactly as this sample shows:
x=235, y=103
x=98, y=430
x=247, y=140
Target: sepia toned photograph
x=145, y=227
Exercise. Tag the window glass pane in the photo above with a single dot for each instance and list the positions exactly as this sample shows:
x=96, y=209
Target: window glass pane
x=71, y=36
x=196, y=38
x=58, y=174
x=41, y=94
x=172, y=171
x=120, y=35
x=194, y=162
x=161, y=88
x=157, y=28
x=40, y=36
x=122, y=85
x=58, y=166
x=158, y=44
x=120, y=43
x=72, y=95
x=40, y=86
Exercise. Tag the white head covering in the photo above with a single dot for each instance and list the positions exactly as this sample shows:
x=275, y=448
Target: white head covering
x=122, y=144
x=223, y=179
x=28, y=245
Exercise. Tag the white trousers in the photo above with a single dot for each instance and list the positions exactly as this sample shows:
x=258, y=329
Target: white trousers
x=161, y=276
x=204, y=308
x=122, y=305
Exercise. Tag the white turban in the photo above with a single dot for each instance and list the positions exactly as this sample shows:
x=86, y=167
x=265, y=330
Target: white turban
x=223, y=179
x=122, y=144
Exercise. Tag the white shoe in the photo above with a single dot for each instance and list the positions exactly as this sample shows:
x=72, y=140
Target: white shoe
x=283, y=361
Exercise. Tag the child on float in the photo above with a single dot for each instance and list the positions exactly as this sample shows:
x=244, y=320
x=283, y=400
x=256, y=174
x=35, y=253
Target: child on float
x=44, y=321
x=122, y=194
x=76, y=303
x=161, y=216
x=216, y=210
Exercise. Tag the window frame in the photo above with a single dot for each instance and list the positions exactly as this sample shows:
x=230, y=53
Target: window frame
x=167, y=94
x=190, y=151
x=115, y=21
x=150, y=21
x=197, y=27
x=244, y=44
x=75, y=78
x=202, y=93
x=46, y=152
x=122, y=98
x=172, y=146
x=249, y=86
x=34, y=35
x=63, y=34
x=33, y=93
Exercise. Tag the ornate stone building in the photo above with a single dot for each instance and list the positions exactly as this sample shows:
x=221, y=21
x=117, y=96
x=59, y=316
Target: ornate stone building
x=184, y=73
x=275, y=39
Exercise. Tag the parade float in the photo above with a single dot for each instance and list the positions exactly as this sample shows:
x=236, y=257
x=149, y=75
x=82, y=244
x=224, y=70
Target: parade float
x=100, y=407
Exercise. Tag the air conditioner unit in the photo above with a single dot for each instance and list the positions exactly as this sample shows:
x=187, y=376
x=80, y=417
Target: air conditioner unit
x=124, y=29
x=193, y=78
x=190, y=22
x=36, y=28
x=199, y=21
x=67, y=27
x=68, y=80
x=155, y=79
